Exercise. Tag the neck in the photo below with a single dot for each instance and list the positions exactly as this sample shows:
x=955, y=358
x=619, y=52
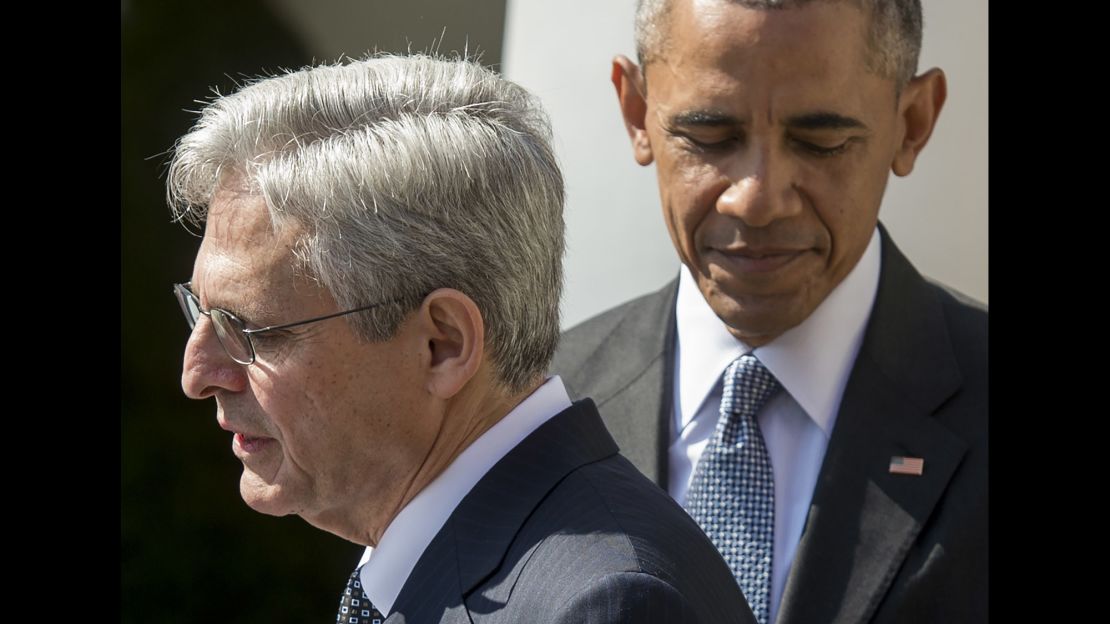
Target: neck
x=467, y=416
x=464, y=418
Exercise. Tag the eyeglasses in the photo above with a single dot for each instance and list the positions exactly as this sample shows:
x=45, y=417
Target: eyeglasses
x=231, y=331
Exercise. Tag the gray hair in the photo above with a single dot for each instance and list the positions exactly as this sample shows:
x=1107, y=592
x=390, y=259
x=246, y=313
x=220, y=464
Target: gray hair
x=893, y=39
x=407, y=174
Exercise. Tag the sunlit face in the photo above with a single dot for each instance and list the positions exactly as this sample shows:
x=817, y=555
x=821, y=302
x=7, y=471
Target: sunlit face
x=323, y=423
x=773, y=143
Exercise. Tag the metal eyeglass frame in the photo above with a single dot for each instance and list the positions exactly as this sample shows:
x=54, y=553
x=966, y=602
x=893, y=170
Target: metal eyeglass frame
x=188, y=301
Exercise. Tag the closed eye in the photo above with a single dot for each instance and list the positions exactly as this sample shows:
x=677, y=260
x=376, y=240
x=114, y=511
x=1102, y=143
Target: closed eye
x=823, y=150
x=270, y=336
x=709, y=145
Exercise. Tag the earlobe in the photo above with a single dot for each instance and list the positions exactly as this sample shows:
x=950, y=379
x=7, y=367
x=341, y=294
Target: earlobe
x=454, y=335
x=632, y=97
x=918, y=108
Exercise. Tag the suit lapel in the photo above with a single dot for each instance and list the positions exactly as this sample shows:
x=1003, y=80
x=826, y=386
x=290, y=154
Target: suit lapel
x=626, y=376
x=863, y=519
x=470, y=549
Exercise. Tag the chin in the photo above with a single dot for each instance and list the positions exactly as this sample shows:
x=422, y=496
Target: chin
x=756, y=321
x=263, y=497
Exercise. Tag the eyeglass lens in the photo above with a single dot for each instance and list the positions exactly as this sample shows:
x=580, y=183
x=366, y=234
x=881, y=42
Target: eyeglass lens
x=229, y=330
x=188, y=304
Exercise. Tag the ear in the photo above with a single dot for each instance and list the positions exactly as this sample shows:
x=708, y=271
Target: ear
x=918, y=109
x=454, y=334
x=629, y=82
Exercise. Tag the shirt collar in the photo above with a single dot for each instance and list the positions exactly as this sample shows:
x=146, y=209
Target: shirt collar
x=386, y=568
x=812, y=361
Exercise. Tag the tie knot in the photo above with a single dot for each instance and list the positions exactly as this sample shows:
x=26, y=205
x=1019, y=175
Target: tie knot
x=747, y=385
x=354, y=606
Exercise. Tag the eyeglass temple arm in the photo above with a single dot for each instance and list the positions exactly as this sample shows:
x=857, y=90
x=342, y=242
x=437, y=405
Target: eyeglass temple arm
x=311, y=320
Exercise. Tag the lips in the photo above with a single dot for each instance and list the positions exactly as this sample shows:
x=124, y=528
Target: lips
x=751, y=260
x=245, y=442
x=249, y=444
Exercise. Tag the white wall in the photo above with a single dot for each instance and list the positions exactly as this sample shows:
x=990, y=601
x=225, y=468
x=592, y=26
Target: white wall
x=617, y=244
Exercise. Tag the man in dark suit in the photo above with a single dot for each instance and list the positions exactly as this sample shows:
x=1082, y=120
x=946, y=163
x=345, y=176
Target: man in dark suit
x=774, y=127
x=373, y=307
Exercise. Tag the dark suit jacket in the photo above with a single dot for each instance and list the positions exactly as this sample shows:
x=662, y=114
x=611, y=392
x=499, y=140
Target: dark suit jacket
x=564, y=530
x=876, y=547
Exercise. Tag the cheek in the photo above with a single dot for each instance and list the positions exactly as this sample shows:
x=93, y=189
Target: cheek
x=298, y=412
x=847, y=217
x=326, y=434
x=689, y=192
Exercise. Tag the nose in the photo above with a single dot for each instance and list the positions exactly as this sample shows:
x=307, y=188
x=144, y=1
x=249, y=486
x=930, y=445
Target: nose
x=763, y=187
x=208, y=368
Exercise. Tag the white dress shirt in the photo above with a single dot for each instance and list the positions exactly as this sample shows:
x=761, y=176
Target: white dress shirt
x=812, y=362
x=388, y=566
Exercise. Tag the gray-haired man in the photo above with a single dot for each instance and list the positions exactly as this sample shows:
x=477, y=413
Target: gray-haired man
x=374, y=306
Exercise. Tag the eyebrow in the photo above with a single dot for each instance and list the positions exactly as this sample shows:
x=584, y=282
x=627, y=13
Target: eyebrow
x=704, y=119
x=825, y=121
x=244, y=318
x=809, y=121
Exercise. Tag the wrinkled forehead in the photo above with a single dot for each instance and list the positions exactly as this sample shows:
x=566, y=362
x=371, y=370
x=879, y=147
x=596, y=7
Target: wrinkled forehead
x=241, y=229
x=236, y=212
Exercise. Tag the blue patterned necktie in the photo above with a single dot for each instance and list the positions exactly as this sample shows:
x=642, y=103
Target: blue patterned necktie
x=354, y=606
x=732, y=495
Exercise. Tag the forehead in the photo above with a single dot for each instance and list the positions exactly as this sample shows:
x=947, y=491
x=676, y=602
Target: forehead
x=240, y=224
x=818, y=47
x=242, y=251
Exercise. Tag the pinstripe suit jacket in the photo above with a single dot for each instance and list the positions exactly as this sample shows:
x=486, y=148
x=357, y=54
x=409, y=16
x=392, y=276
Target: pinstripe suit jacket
x=876, y=547
x=565, y=530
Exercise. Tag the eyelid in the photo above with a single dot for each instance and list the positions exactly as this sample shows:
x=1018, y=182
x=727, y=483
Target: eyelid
x=823, y=150
x=724, y=141
x=269, y=335
x=709, y=145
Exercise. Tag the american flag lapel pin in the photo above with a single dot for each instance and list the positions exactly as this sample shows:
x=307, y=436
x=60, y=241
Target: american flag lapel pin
x=907, y=465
